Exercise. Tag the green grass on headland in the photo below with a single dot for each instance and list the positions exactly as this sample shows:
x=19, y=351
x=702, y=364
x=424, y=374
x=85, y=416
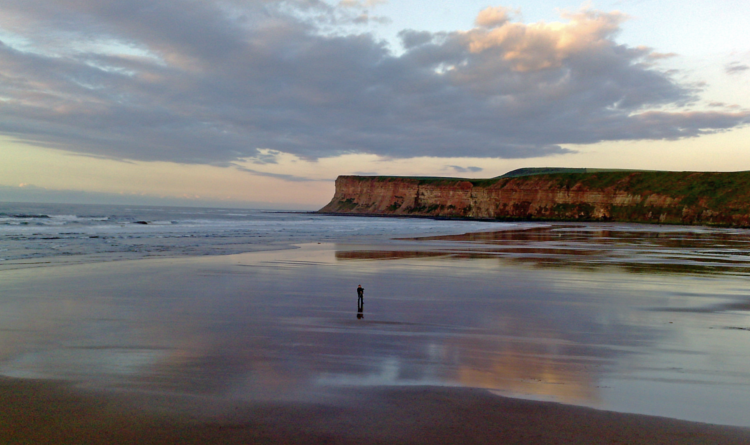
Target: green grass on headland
x=484, y=182
x=554, y=170
x=708, y=189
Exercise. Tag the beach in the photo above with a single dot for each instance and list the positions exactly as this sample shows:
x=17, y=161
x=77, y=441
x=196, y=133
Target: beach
x=47, y=413
x=531, y=333
x=374, y=222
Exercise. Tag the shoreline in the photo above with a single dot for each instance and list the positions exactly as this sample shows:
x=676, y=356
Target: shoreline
x=531, y=220
x=233, y=249
x=112, y=257
x=58, y=413
x=267, y=359
x=43, y=236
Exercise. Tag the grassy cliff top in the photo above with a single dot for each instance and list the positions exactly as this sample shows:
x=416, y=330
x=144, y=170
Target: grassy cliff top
x=713, y=188
x=529, y=171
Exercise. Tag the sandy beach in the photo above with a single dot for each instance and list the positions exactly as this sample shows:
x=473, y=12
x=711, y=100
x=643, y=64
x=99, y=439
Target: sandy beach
x=548, y=335
x=48, y=413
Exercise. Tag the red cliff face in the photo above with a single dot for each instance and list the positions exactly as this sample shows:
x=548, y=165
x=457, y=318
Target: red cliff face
x=673, y=197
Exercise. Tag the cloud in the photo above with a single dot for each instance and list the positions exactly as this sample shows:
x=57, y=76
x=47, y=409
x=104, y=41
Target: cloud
x=723, y=105
x=493, y=17
x=361, y=4
x=216, y=82
x=284, y=177
x=266, y=157
x=736, y=68
x=460, y=169
x=660, y=56
x=547, y=46
x=410, y=38
x=27, y=186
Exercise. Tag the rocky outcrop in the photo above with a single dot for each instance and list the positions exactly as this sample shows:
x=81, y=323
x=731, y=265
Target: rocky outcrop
x=651, y=197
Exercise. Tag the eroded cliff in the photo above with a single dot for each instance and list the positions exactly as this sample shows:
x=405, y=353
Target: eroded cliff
x=652, y=197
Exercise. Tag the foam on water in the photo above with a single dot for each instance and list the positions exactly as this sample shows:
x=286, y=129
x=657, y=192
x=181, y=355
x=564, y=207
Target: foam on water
x=54, y=231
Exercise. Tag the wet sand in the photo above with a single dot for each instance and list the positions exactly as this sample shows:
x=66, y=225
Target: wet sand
x=52, y=413
x=267, y=347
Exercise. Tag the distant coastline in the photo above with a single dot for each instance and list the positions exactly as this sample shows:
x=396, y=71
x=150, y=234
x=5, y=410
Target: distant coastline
x=554, y=194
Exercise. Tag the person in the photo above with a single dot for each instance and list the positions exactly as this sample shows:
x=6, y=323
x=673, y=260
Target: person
x=360, y=296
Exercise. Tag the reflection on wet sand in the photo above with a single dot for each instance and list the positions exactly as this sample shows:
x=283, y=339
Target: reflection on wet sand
x=385, y=254
x=210, y=332
x=634, y=234
x=523, y=368
x=636, y=249
x=460, y=311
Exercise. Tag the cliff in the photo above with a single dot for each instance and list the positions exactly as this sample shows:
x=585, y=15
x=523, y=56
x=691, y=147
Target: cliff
x=555, y=194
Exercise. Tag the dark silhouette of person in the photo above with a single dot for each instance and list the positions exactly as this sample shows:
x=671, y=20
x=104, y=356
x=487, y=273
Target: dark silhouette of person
x=360, y=298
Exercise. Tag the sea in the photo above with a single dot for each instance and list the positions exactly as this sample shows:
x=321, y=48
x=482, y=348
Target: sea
x=80, y=232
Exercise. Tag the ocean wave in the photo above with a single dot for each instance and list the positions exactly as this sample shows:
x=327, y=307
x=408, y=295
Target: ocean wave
x=23, y=219
x=22, y=215
x=37, y=230
x=78, y=218
x=155, y=223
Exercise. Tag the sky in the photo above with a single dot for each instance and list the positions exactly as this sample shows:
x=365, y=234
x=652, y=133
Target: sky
x=263, y=103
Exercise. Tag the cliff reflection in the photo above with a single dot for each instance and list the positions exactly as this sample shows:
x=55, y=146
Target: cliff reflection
x=665, y=237
x=386, y=254
x=266, y=325
x=649, y=249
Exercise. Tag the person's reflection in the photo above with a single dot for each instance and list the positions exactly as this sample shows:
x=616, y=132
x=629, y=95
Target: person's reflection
x=360, y=302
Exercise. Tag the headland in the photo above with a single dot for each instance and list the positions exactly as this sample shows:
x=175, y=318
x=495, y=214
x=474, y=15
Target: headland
x=555, y=194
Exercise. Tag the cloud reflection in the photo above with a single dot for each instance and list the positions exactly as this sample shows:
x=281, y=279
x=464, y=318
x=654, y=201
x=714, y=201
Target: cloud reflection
x=272, y=325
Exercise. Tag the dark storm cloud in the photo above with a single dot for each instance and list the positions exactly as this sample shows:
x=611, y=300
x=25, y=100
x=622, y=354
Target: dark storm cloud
x=216, y=81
